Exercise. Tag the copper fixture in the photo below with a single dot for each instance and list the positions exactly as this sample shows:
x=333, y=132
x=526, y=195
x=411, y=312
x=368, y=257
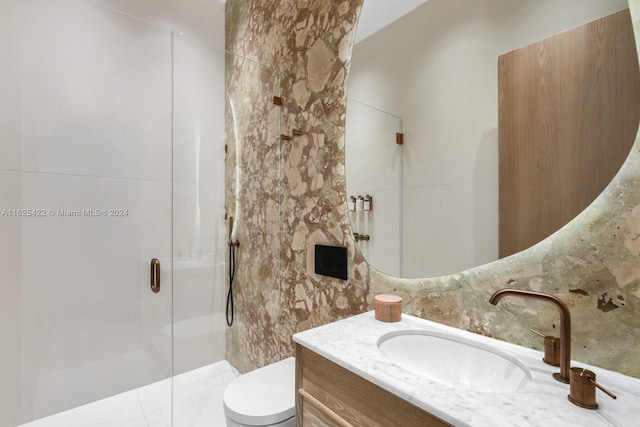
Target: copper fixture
x=360, y=237
x=232, y=243
x=582, y=390
x=399, y=138
x=294, y=132
x=551, y=349
x=565, y=324
x=154, y=274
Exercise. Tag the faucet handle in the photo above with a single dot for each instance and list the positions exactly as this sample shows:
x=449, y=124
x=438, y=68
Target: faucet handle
x=551, y=349
x=537, y=333
x=582, y=389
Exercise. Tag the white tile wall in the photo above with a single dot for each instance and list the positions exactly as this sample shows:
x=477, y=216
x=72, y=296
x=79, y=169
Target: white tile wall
x=198, y=220
x=10, y=322
x=373, y=158
x=200, y=19
x=77, y=65
x=383, y=226
x=451, y=217
x=84, y=286
x=87, y=124
x=373, y=166
x=199, y=96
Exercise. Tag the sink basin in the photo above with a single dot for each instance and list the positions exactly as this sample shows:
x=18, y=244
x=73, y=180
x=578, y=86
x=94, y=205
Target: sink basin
x=454, y=361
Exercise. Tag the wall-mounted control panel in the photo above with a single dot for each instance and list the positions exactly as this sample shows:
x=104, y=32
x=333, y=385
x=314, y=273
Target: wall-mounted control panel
x=331, y=261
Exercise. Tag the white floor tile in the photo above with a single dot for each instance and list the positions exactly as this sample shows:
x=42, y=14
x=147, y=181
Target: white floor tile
x=209, y=420
x=196, y=394
x=120, y=410
x=197, y=402
x=156, y=397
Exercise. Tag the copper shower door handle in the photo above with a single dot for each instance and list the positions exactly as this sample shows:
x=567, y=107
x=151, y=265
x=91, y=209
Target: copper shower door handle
x=154, y=275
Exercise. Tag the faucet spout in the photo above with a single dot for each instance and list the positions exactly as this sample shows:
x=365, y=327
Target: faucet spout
x=565, y=324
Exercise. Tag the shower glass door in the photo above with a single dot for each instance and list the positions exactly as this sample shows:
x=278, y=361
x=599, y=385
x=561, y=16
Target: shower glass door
x=86, y=203
x=198, y=204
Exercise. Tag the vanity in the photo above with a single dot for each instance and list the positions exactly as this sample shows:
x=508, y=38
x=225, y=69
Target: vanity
x=360, y=371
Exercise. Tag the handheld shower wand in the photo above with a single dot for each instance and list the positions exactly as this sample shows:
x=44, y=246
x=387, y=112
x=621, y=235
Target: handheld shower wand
x=233, y=244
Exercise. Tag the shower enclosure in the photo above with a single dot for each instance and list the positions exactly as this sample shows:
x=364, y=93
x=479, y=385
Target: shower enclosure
x=112, y=145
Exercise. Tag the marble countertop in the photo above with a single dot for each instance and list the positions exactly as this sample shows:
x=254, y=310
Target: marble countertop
x=352, y=344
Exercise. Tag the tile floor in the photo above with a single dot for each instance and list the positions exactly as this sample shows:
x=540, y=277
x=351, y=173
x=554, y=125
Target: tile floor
x=197, y=402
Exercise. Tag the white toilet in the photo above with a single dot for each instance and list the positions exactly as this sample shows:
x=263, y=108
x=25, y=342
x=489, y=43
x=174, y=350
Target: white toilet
x=264, y=397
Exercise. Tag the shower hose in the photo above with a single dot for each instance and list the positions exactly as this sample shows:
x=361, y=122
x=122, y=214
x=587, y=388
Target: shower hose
x=232, y=273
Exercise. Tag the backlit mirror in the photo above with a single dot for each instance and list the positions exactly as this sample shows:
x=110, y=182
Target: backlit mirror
x=432, y=76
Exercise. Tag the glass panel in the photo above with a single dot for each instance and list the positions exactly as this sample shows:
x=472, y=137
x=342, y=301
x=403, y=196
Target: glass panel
x=203, y=104
x=252, y=138
x=85, y=167
x=373, y=164
x=199, y=235
x=198, y=232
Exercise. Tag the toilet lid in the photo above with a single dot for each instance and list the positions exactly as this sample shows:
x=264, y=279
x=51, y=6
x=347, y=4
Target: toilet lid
x=264, y=396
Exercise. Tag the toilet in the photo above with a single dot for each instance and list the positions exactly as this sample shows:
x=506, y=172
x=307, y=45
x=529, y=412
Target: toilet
x=264, y=397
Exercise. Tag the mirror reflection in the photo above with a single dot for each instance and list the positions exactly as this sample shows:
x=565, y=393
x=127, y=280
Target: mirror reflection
x=432, y=76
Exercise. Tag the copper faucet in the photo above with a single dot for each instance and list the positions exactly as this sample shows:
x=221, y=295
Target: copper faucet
x=565, y=325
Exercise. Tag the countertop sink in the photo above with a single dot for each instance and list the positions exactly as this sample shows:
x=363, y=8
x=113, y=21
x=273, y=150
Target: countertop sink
x=454, y=361
x=460, y=398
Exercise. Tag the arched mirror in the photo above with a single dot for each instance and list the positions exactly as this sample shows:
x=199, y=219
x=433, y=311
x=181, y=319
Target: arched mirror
x=422, y=126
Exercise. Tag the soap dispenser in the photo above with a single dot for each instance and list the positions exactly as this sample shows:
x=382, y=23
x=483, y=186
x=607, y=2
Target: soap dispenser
x=368, y=202
x=351, y=204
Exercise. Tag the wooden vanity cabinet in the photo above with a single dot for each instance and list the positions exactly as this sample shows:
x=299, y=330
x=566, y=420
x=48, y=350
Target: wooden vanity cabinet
x=329, y=395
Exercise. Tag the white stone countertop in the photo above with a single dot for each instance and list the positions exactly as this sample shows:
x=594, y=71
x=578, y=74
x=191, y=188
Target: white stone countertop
x=352, y=344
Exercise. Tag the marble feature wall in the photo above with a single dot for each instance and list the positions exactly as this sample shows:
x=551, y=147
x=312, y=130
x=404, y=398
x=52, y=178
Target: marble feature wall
x=295, y=199
x=290, y=193
x=252, y=200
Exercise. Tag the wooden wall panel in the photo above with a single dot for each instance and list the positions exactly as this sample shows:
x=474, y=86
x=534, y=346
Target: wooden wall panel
x=569, y=108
